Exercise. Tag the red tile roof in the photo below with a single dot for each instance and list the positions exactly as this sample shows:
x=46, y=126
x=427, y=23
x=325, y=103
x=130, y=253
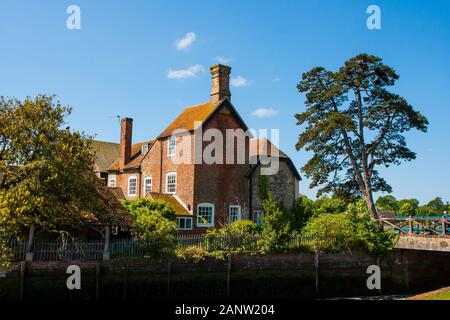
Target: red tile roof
x=136, y=156
x=179, y=208
x=186, y=119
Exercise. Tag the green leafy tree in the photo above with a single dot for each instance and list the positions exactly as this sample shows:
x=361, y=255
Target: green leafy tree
x=424, y=211
x=406, y=209
x=343, y=110
x=388, y=203
x=46, y=176
x=300, y=213
x=276, y=230
x=329, y=205
x=437, y=205
x=154, y=225
x=413, y=202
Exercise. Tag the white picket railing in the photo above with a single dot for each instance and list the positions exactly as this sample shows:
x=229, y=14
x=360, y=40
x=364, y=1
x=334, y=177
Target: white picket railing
x=94, y=249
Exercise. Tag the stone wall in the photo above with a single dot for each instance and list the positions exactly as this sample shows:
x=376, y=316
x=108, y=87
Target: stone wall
x=283, y=186
x=417, y=242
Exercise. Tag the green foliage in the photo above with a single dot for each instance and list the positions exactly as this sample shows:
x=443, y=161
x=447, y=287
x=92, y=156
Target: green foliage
x=345, y=108
x=276, y=229
x=154, y=225
x=193, y=253
x=243, y=231
x=333, y=232
x=329, y=205
x=302, y=210
x=45, y=169
x=241, y=228
x=160, y=206
x=387, y=203
x=198, y=254
x=406, y=209
x=353, y=229
x=263, y=187
x=424, y=211
x=437, y=205
x=367, y=232
x=414, y=203
x=6, y=254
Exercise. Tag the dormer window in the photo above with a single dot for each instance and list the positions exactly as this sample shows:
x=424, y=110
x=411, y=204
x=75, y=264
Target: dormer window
x=171, y=146
x=144, y=149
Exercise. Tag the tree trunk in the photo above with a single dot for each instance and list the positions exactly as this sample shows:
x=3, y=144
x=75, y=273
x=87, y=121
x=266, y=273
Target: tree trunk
x=371, y=204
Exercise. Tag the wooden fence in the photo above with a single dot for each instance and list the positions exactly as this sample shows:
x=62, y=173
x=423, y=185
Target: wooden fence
x=95, y=249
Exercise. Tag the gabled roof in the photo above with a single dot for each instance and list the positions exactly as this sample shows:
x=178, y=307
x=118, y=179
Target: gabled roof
x=105, y=154
x=186, y=119
x=136, y=156
x=179, y=208
x=117, y=192
x=201, y=113
x=264, y=147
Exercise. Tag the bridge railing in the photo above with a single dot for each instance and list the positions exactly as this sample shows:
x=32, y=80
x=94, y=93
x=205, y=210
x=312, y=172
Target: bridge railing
x=420, y=225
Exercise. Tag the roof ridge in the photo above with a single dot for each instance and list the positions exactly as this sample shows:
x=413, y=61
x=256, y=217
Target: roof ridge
x=105, y=141
x=199, y=105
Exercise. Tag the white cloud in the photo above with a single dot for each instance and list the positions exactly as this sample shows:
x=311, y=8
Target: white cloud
x=264, y=112
x=239, y=81
x=185, y=73
x=276, y=79
x=223, y=60
x=186, y=41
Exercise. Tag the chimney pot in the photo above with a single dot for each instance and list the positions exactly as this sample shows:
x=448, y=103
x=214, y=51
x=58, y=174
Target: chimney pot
x=220, y=75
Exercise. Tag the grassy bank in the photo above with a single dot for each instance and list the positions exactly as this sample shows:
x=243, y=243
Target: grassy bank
x=441, y=294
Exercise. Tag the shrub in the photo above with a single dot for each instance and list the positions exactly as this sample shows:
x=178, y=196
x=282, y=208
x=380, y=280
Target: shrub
x=276, y=230
x=329, y=205
x=353, y=229
x=332, y=232
x=160, y=206
x=300, y=213
x=241, y=228
x=238, y=236
x=154, y=226
x=194, y=253
x=368, y=232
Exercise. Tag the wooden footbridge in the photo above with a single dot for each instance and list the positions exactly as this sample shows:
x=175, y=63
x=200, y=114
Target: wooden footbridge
x=431, y=233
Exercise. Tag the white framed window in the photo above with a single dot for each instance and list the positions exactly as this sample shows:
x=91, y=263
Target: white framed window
x=171, y=182
x=257, y=216
x=234, y=213
x=171, y=146
x=205, y=215
x=112, y=182
x=144, y=149
x=132, y=186
x=147, y=185
x=184, y=223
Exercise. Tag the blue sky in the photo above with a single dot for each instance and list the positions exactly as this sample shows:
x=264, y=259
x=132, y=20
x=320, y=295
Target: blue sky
x=118, y=64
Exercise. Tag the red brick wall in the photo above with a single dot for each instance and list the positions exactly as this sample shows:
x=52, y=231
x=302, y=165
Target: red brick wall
x=222, y=184
x=151, y=166
x=122, y=182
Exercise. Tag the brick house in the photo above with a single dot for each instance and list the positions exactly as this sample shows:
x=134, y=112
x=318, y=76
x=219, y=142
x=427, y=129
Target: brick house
x=204, y=193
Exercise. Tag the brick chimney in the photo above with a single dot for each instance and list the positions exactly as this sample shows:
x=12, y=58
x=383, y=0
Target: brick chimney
x=126, y=129
x=220, y=82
